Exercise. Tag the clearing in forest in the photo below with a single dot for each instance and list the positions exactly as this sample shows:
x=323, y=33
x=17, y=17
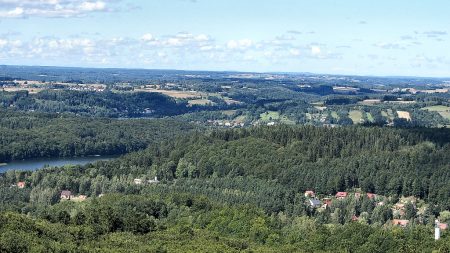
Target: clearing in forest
x=444, y=111
x=270, y=115
x=200, y=102
x=404, y=115
x=356, y=116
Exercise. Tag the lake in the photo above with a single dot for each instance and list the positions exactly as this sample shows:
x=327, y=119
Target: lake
x=35, y=164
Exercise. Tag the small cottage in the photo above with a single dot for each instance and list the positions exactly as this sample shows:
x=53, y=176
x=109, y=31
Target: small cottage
x=66, y=195
x=341, y=195
x=401, y=223
x=310, y=194
x=315, y=203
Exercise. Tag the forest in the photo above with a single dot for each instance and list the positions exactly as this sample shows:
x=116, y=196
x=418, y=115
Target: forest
x=36, y=135
x=223, y=162
x=240, y=190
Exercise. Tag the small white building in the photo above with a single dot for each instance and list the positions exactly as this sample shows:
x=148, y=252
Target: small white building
x=153, y=181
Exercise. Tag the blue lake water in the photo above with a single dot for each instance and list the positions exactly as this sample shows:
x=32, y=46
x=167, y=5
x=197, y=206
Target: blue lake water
x=35, y=164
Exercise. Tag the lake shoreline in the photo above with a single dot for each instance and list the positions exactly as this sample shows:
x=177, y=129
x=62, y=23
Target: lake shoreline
x=40, y=163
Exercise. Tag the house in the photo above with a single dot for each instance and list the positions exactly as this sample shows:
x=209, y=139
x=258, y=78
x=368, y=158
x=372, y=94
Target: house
x=137, y=181
x=327, y=201
x=82, y=197
x=314, y=203
x=310, y=194
x=401, y=223
x=399, y=206
x=443, y=226
x=341, y=195
x=66, y=195
x=153, y=181
x=21, y=185
x=371, y=195
x=355, y=218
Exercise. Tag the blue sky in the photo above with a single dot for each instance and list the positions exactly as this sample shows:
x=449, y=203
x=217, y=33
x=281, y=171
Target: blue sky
x=364, y=37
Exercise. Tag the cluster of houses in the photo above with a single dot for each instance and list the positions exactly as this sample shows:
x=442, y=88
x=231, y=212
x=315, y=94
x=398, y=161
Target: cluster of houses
x=67, y=195
x=326, y=202
x=138, y=181
x=227, y=124
x=398, y=210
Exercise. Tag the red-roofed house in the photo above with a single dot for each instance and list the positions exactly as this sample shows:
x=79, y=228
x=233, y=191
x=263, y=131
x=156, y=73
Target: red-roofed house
x=371, y=195
x=355, y=218
x=401, y=223
x=21, y=185
x=310, y=194
x=443, y=226
x=341, y=195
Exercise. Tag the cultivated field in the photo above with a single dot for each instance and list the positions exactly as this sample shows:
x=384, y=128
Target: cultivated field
x=444, y=111
x=356, y=116
x=404, y=115
x=200, y=102
x=174, y=93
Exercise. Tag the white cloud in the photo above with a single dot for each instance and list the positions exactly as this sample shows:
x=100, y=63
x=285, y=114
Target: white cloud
x=294, y=52
x=147, y=37
x=170, y=51
x=316, y=51
x=239, y=44
x=92, y=6
x=53, y=8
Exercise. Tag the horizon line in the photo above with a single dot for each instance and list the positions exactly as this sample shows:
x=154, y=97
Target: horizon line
x=230, y=71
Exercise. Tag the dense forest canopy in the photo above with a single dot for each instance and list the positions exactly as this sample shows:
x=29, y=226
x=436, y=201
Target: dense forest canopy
x=241, y=190
x=34, y=135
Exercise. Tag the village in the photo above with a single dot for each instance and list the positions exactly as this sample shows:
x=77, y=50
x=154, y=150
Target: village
x=317, y=202
x=398, y=208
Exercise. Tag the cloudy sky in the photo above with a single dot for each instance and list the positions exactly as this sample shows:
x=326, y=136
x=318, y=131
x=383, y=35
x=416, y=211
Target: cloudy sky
x=365, y=37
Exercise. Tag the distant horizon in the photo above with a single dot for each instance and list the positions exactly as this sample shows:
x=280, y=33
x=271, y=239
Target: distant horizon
x=227, y=71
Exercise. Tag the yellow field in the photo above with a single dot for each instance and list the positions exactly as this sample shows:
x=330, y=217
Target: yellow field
x=356, y=116
x=199, y=102
x=404, y=115
x=30, y=90
x=174, y=93
x=370, y=101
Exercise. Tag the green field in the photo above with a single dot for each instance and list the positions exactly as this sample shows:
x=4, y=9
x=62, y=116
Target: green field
x=444, y=111
x=334, y=115
x=270, y=115
x=369, y=117
x=356, y=116
x=229, y=112
x=287, y=121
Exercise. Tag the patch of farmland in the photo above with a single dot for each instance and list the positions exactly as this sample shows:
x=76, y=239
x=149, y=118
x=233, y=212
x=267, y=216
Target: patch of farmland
x=404, y=115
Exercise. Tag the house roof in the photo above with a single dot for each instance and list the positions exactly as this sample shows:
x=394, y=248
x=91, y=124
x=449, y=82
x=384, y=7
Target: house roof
x=443, y=226
x=371, y=195
x=66, y=193
x=400, y=222
x=341, y=194
x=314, y=202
